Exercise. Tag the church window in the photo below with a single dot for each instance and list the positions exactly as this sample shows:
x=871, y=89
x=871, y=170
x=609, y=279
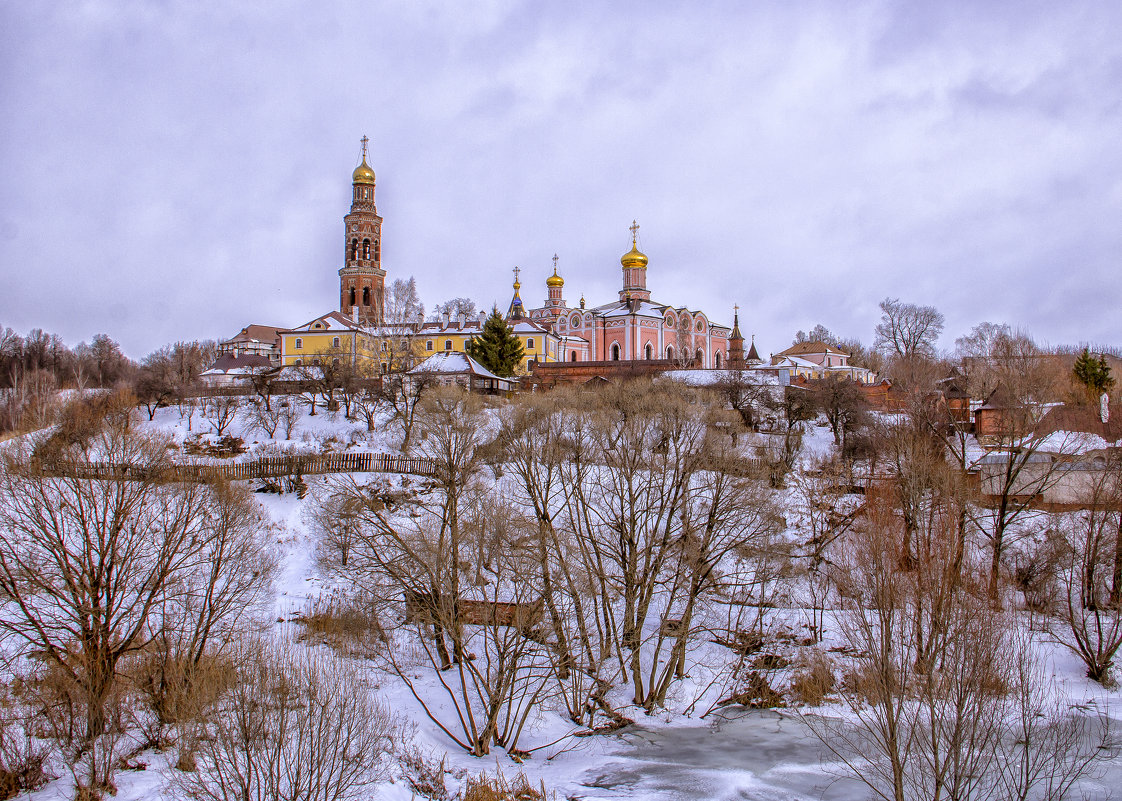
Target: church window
x=448, y=344
x=529, y=343
x=352, y=296
x=366, y=296
x=299, y=343
x=615, y=351
x=335, y=342
x=377, y=251
x=700, y=358
x=573, y=358
x=669, y=351
x=366, y=248
x=717, y=360
x=428, y=345
x=354, y=249
x=649, y=351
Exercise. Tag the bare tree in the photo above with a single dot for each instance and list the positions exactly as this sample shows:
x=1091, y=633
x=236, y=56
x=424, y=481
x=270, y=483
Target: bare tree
x=297, y=725
x=84, y=564
x=221, y=411
x=906, y=329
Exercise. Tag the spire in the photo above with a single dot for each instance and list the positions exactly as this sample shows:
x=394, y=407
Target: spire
x=363, y=174
x=515, y=311
x=736, y=324
x=753, y=356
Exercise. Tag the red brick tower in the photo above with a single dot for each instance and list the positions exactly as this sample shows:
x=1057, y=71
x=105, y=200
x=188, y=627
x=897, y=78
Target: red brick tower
x=736, y=343
x=362, y=280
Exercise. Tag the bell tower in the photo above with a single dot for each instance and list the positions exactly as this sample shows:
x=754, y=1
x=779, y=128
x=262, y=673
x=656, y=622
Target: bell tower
x=362, y=280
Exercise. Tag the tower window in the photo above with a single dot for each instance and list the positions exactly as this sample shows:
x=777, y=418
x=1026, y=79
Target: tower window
x=354, y=249
x=366, y=296
x=615, y=351
x=366, y=248
x=352, y=296
x=377, y=251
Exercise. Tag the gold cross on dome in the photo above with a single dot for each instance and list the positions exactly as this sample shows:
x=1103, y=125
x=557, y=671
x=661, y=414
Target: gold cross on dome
x=735, y=309
x=554, y=262
x=364, y=140
x=516, y=271
x=634, y=230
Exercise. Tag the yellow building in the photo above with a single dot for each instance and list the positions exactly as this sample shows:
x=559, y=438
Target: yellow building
x=334, y=336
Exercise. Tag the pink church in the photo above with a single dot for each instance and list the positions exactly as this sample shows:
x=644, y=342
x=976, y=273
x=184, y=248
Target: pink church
x=633, y=328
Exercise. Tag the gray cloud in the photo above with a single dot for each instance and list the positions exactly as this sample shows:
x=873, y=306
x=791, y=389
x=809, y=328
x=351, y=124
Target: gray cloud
x=177, y=170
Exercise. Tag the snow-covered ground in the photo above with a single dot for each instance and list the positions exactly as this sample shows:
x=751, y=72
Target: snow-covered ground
x=669, y=755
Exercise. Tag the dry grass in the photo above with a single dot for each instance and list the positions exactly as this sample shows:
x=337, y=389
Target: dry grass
x=496, y=787
x=348, y=623
x=813, y=679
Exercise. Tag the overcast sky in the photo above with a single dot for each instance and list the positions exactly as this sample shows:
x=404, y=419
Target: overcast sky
x=176, y=170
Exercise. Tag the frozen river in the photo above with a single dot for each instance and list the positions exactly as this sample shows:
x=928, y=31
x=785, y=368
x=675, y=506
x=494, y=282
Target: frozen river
x=762, y=756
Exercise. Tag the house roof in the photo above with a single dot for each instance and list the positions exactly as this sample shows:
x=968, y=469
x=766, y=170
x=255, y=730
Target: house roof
x=227, y=363
x=255, y=333
x=454, y=364
x=332, y=321
x=804, y=348
x=1081, y=420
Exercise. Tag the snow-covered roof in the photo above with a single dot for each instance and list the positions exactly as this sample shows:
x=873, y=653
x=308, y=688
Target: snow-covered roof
x=445, y=363
x=332, y=321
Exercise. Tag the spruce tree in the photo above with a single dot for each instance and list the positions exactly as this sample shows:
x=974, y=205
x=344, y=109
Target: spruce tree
x=496, y=348
x=1093, y=373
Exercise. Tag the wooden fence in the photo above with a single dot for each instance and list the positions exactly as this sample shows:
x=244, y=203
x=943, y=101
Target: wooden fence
x=265, y=467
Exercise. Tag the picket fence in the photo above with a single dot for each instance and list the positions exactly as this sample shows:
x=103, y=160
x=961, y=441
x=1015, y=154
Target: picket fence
x=265, y=467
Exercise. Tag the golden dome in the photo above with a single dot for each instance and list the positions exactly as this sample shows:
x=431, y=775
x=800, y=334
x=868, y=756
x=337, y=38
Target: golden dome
x=555, y=280
x=363, y=174
x=633, y=258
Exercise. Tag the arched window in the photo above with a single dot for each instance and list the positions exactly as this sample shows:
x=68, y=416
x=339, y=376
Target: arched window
x=354, y=249
x=669, y=351
x=335, y=342
x=366, y=248
x=717, y=360
x=448, y=344
x=352, y=296
x=700, y=358
x=315, y=361
x=573, y=358
x=334, y=362
x=649, y=351
x=615, y=351
x=377, y=251
x=366, y=296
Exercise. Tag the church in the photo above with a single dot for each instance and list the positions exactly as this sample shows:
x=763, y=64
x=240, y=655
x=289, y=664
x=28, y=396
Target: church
x=632, y=327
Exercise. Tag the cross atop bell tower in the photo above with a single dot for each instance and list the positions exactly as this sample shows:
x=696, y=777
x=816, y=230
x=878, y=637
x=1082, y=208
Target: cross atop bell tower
x=362, y=279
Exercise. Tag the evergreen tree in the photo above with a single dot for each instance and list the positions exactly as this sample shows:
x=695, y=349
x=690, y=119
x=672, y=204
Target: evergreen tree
x=496, y=348
x=1093, y=373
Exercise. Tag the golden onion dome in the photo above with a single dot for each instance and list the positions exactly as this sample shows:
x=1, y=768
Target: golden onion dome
x=633, y=257
x=554, y=280
x=363, y=174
